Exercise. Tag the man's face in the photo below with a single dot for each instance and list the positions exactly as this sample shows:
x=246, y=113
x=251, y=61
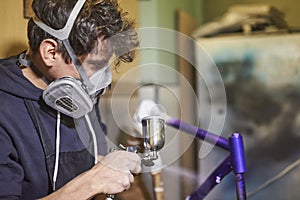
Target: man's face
x=98, y=58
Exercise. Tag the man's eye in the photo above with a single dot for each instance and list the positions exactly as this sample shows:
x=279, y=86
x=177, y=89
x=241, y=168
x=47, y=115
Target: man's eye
x=94, y=67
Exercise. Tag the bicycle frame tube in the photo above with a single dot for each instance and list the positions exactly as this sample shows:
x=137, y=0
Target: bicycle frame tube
x=235, y=162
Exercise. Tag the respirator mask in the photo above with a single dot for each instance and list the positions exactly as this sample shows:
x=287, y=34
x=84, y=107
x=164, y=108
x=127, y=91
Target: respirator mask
x=68, y=95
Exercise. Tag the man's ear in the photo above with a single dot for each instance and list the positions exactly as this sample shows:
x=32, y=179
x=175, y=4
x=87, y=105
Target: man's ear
x=48, y=51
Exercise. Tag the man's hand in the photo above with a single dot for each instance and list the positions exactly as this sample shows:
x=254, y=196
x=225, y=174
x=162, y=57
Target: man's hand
x=114, y=172
x=111, y=175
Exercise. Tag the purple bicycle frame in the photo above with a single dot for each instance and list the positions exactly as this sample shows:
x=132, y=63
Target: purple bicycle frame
x=235, y=161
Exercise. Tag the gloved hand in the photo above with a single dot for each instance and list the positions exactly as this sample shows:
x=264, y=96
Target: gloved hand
x=114, y=172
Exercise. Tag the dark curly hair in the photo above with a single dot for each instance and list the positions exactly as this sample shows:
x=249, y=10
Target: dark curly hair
x=97, y=19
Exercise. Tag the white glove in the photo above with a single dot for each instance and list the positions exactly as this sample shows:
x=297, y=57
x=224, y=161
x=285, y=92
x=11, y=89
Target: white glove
x=114, y=172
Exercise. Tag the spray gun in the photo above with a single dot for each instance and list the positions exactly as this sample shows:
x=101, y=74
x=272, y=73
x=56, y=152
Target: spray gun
x=153, y=128
x=154, y=135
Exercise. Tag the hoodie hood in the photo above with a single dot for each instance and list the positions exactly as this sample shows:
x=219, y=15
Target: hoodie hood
x=13, y=82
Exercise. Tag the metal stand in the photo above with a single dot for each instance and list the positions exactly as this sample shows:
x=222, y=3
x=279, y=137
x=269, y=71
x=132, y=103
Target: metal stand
x=234, y=162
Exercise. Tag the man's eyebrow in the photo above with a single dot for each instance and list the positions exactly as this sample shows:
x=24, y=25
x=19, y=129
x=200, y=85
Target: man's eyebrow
x=98, y=62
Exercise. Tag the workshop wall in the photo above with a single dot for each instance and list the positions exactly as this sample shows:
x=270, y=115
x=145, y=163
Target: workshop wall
x=162, y=14
x=13, y=37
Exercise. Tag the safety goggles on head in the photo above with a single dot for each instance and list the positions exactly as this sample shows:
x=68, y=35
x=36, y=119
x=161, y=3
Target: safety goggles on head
x=68, y=95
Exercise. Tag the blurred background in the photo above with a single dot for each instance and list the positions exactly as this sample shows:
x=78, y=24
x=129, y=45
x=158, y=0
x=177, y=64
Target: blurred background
x=255, y=47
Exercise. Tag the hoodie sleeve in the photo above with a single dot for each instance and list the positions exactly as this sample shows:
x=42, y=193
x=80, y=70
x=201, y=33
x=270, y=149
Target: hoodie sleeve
x=11, y=172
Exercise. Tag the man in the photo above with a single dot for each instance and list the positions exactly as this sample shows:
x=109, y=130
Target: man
x=44, y=153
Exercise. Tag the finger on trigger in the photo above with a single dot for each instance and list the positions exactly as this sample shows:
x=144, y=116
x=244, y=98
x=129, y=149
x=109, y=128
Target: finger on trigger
x=131, y=178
